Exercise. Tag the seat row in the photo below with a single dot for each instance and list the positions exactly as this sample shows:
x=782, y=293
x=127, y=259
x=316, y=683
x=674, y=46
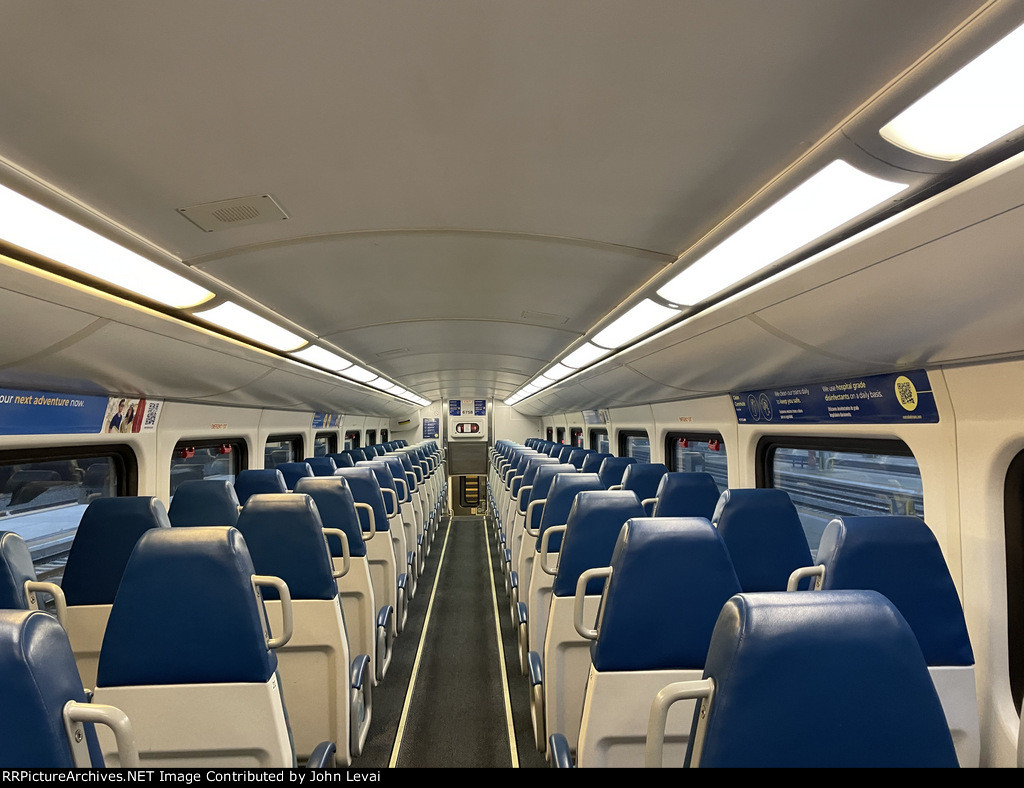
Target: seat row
x=131, y=627
x=632, y=602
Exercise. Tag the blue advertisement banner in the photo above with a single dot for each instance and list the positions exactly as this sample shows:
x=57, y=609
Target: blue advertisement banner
x=894, y=398
x=431, y=428
x=47, y=413
x=479, y=407
x=455, y=407
x=326, y=421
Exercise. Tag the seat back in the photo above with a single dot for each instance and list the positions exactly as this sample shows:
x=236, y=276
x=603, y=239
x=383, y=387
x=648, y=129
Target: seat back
x=293, y=471
x=15, y=570
x=204, y=502
x=342, y=460
x=253, y=481
x=643, y=478
x=321, y=466
x=762, y=530
x=683, y=494
x=826, y=680
x=612, y=470
x=592, y=462
x=187, y=656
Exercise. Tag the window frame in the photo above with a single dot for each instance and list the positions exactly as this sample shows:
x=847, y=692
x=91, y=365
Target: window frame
x=298, y=448
x=356, y=436
x=625, y=435
x=1013, y=531
x=238, y=444
x=332, y=442
x=576, y=437
x=599, y=432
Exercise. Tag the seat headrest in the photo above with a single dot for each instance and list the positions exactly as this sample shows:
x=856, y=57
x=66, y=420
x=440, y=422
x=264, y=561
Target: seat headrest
x=186, y=613
x=577, y=456
x=106, y=536
x=850, y=657
x=293, y=471
x=15, y=568
x=204, y=502
x=643, y=478
x=592, y=529
x=670, y=578
x=337, y=509
x=612, y=470
x=764, y=535
x=38, y=677
x=342, y=460
x=285, y=537
x=682, y=494
x=900, y=558
x=254, y=481
x=365, y=487
x=592, y=462
x=321, y=466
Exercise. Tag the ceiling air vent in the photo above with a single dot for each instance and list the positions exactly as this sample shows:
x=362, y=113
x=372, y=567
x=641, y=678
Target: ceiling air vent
x=544, y=318
x=237, y=212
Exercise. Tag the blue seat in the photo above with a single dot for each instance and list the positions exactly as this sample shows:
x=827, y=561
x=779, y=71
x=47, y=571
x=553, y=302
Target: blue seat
x=682, y=494
x=612, y=470
x=762, y=530
x=643, y=478
x=293, y=471
x=825, y=680
x=405, y=551
x=327, y=687
x=106, y=536
x=204, y=502
x=369, y=621
x=342, y=460
x=188, y=656
x=321, y=466
x=592, y=462
x=42, y=693
x=254, y=481
x=900, y=558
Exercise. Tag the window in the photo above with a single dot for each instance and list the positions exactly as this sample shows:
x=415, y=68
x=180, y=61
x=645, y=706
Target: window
x=599, y=441
x=549, y=433
x=371, y=437
x=1013, y=524
x=206, y=459
x=384, y=435
x=560, y=435
x=282, y=448
x=827, y=478
x=576, y=437
x=325, y=443
x=635, y=444
x=351, y=440
x=46, y=491
x=701, y=452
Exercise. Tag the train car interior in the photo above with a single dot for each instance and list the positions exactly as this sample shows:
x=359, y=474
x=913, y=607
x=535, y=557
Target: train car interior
x=650, y=369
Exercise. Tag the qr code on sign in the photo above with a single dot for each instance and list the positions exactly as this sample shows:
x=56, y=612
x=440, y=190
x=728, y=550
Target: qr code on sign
x=152, y=411
x=905, y=391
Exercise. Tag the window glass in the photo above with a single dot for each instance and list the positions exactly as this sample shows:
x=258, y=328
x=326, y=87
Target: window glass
x=599, y=441
x=325, y=443
x=282, y=448
x=1013, y=525
x=43, y=498
x=635, y=444
x=549, y=434
x=384, y=435
x=371, y=437
x=576, y=437
x=560, y=435
x=827, y=481
x=698, y=453
x=351, y=440
x=205, y=460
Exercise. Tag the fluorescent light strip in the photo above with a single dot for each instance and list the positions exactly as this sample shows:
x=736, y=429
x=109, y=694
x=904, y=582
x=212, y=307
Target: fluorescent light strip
x=250, y=325
x=558, y=371
x=322, y=358
x=356, y=372
x=381, y=383
x=980, y=103
x=638, y=320
x=583, y=355
x=825, y=201
x=32, y=226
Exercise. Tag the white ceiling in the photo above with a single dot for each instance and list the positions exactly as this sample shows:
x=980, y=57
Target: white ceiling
x=470, y=186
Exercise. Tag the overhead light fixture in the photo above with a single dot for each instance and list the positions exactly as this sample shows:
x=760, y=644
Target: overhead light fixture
x=638, y=320
x=558, y=371
x=356, y=372
x=394, y=388
x=381, y=383
x=825, y=201
x=38, y=229
x=977, y=105
x=322, y=358
x=248, y=324
x=583, y=355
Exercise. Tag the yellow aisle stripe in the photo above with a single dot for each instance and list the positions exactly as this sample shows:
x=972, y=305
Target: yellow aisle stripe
x=501, y=659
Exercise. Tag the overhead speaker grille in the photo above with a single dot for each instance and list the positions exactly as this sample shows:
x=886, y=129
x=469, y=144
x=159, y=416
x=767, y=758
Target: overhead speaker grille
x=237, y=212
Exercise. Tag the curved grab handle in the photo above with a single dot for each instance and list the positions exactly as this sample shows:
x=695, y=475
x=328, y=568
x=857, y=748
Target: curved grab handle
x=394, y=502
x=581, y=591
x=704, y=690
x=544, y=544
x=33, y=587
x=75, y=714
x=519, y=497
x=817, y=572
x=346, y=556
x=368, y=535
x=529, y=517
x=406, y=496
x=286, y=608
